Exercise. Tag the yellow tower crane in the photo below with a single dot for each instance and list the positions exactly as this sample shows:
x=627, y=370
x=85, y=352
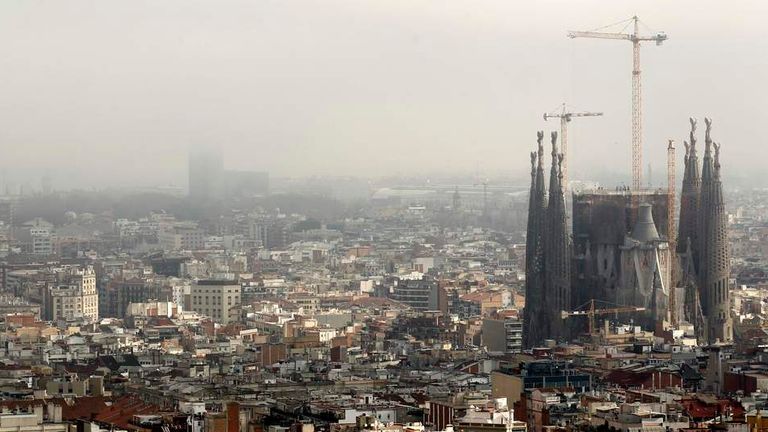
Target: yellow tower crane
x=637, y=113
x=565, y=117
x=592, y=312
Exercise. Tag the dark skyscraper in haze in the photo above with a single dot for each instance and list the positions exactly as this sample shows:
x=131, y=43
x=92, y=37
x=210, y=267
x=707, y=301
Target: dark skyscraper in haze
x=209, y=180
x=206, y=172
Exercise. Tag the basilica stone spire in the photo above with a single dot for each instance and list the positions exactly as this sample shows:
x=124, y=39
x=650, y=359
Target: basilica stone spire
x=548, y=253
x=557, y=250
x=533, y=333
x=689, y=198
x=714, y=261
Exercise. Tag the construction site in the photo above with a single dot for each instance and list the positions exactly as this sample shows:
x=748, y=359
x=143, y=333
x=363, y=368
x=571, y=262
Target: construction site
x=614, y=251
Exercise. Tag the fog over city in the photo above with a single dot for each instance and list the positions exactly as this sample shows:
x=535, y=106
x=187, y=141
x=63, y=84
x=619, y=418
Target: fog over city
x=383, y=216
x=115, y=93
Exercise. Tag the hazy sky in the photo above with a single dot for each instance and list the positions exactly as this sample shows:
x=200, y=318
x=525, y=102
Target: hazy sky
x=107, y=92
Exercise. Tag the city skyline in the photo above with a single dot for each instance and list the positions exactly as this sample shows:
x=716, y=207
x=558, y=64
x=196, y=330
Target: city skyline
x=377, y=216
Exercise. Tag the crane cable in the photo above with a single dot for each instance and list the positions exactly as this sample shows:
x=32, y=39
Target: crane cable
x=614, y=24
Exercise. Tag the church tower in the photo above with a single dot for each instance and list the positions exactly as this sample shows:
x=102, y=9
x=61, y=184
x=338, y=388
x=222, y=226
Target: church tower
x=548, y=253
x=557, y=251
x=533, y=332
x=689, y=197
x=715, y=268
x=688, y=236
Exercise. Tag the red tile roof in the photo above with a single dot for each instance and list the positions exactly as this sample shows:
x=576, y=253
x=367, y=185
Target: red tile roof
x=698, y=409
x=82, y=408
x=624, y=378
x=122, y=411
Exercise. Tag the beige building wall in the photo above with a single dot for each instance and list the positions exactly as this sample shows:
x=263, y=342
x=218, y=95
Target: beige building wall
x=505, y=385
x=494, y=335
x=77, y=297
x=216, y=299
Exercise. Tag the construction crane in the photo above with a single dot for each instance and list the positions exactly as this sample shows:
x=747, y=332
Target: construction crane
x=671, y=232
x=565, y=117
x=637, y=112
x=592, y=312
x=484, y=183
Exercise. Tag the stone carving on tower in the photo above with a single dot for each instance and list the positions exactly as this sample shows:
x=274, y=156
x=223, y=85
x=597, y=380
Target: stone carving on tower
x=645, y=270
x=692, y=307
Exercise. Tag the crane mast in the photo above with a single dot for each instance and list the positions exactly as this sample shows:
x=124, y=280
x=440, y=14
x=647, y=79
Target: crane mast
x=637, y=112
x=565, y=117
x=484, y=184
x=671, y=232
x=637, y=101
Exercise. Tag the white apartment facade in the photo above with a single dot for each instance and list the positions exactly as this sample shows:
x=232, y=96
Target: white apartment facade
x=218, y=299
x=182, y=236
x=42, y=241
x=75, y=297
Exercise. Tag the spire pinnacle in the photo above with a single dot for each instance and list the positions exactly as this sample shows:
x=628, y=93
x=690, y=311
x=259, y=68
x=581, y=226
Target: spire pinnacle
x=539, y=139
x=554, y=146
x=717, y=159
x=693, y=133
x=556, y=174
x=707, y=138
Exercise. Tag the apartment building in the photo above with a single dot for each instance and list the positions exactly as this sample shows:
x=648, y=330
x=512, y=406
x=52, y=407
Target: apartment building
x=74, y=297
x=218, y=299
